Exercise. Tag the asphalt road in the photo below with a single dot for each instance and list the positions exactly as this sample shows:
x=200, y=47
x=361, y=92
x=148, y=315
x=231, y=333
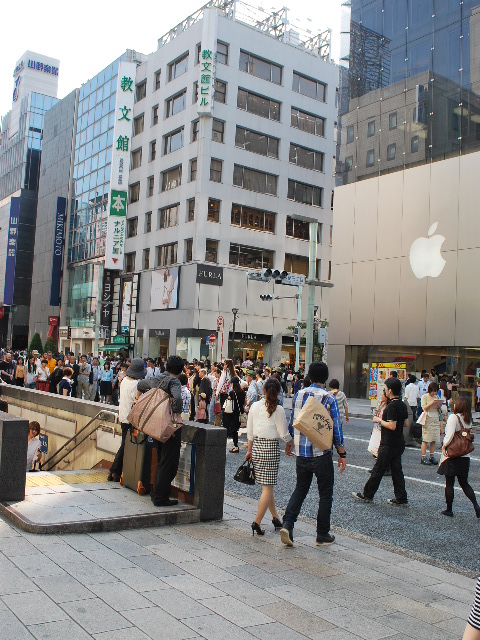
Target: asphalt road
x=419, y=527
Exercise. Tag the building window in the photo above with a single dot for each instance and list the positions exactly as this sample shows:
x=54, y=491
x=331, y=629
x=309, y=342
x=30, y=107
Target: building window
x=193, y=170
x=260, y=67
x=148, y=222
x=173, y=141
x=136, y=158
x=138, y=124
x=176, y=103
x=307, y=122
x=195, y=92
x=297, y=229
x=146, y=258
x=191, y=210
x=309, y=87
x=350, y=133
x=218, y=130
x=216, y=170
x=150, y=186
x=250, y=257
x=255, y=180
x=370, y=128
x=167, y=254
x=414, y=144
x=370, y=158
x=132, y=224
x=391, y=151
x=392, y=120
x=222, y=52
x=195, y=130
x=296, y=264
x=329, y=277
x=140, y=91
x=251, y=218
x=134, y=192
x=129, y=262
x=258, y=105
x=307, y=158
x=213, y=214
x=304, y=193
x=154, y=115
x=172, y=178
x=220, y=94
x=348, y=163
x=211, y=251
x=156, y=79
x=153, y=150
x=256, y=142
x=168, y=216
x=189, y=250
x=178, y=67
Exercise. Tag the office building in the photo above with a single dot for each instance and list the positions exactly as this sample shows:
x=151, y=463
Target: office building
x=406, y=240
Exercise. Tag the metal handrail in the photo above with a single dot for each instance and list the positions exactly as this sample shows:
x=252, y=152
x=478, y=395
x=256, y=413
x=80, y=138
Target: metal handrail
x=103, y=412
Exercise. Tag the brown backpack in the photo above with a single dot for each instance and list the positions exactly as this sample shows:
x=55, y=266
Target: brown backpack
x=152, y=415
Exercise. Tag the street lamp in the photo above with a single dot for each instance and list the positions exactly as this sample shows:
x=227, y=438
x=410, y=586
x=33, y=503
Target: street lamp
x=235, y=313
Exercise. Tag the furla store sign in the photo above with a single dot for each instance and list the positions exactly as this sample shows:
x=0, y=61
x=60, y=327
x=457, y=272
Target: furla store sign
x=208, y=274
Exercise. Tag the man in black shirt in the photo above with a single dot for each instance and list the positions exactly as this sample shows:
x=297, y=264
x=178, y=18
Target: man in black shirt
x=7, y=368
x=392, y=446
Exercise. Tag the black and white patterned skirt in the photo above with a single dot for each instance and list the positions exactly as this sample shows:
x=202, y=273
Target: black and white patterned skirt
x=265, y=458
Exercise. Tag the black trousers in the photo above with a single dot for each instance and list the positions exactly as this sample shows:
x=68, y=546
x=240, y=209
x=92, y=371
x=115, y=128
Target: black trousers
x=388, y=457
x=168, y=457
x=117, y=465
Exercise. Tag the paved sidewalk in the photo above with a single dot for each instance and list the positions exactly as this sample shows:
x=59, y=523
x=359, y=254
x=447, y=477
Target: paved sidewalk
x=215, y=581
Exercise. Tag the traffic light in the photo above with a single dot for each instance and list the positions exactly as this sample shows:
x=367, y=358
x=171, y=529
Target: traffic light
x=266, y=275
x=266, y=297
x=296, y=335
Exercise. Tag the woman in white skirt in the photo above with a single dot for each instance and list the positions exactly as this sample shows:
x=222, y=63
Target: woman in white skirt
x=266, y=424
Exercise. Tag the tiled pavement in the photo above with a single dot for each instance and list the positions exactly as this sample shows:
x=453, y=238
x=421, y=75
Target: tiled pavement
x=215, y=581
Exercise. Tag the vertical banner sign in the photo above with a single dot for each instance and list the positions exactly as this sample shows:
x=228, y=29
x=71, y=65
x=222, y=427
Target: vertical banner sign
x=126, y=307
x=122, y=132
x=57, y=255
x=107, y=299
x=11, y=259
x=208, y=63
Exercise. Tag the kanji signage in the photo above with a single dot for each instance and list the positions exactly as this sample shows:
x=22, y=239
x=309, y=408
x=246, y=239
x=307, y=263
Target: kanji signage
x=122, y=133
x=208, y=61
x=11, y=259
x=107, y=299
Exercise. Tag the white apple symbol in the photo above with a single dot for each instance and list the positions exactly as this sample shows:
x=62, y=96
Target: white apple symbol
x=425, y=256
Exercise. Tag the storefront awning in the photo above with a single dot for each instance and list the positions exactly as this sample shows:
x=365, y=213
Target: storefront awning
x=116, y=347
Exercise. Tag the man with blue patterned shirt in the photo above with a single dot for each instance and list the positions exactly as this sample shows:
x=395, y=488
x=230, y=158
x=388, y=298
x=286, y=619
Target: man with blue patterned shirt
x=312, y=461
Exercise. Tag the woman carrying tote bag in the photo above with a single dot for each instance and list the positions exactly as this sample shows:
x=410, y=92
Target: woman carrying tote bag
x=459, y=467
x=231, y=420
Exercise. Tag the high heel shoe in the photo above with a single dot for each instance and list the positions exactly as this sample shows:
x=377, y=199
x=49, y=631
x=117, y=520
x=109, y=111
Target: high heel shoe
x=277, y=524
x=256, y=528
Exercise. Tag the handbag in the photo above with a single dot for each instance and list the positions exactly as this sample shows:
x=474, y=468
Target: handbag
x=228, y=405
x=153, y=416
x=245, y=473
x=422, y=418
x=462, y=442
x=374, y=442
x=217, y=409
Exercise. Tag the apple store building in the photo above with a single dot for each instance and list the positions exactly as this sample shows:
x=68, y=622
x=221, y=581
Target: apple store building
x=406, y=243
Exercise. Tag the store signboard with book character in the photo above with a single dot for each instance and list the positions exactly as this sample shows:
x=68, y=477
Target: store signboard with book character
x=379, y=372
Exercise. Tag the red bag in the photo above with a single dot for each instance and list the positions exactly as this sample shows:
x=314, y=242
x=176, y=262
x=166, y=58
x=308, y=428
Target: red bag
x=217, y=409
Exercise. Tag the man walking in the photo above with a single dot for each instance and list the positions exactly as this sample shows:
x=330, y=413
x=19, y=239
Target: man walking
x=312, y=461
x=392, y=446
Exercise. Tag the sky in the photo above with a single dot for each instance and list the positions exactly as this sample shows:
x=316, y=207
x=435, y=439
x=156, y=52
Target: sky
x=86, y=36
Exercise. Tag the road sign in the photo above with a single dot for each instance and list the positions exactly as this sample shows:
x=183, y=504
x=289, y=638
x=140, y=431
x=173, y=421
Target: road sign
x=207, y=339
x=212, y=338
x=294, y=280
x=220, y=324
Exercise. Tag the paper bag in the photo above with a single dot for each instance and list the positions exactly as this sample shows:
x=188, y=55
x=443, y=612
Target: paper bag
x=315, y=423
x=375, y=441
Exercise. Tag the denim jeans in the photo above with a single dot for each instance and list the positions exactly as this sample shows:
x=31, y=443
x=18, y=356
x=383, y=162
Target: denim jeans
x=322, y=469
x=388, y=457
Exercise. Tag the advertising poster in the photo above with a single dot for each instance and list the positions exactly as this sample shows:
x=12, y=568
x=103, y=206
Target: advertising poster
x=379, y=372
x=126, y=306
x=164, y=290
x=185, y=478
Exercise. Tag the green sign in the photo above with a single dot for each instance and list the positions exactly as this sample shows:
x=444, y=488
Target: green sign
x=118, y=203
x=120, y=340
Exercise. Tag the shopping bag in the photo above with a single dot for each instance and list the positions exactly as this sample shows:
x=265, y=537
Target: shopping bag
x=374, y=442
x=315, y=423
x=422, y=418
x=228, y=406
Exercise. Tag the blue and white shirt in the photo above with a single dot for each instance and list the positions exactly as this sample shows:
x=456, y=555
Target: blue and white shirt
x=303, y=446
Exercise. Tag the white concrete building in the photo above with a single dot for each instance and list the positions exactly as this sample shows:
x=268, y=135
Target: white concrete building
x=233, y=188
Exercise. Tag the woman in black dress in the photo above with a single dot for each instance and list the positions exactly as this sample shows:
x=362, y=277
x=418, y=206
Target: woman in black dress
x=231, y=421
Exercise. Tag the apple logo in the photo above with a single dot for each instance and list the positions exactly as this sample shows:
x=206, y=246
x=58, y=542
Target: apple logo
x=425, y=256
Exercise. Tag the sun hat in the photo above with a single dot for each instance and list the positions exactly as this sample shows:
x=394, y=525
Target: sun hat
x=137, y=369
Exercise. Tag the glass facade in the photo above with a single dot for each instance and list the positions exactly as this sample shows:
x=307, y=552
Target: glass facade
x=413, y=81
x=39, y=105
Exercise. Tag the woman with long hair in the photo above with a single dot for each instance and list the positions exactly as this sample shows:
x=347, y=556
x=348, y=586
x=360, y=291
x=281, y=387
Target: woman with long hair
x=265, y=426
x=31, y=372
x=431, y=430
x=223, y=386
x=458, y=468
x=106, y=380
x=20, y=372
x=231, y=421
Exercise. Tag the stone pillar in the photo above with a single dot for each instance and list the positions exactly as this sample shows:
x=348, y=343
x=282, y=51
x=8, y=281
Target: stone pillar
x=13, y=457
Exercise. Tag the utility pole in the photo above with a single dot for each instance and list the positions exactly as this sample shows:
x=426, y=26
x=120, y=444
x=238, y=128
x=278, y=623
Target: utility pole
x=312, y=276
